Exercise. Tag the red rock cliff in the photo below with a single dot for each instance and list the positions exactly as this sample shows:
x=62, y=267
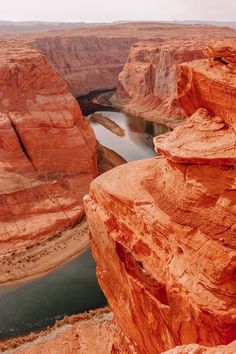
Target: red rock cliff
x=149, y=77
x=87, y=63
x=47, y=149
x=163, y=230
x=91, y=59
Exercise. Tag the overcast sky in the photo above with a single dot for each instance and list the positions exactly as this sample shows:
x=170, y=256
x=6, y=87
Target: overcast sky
x=114, y=10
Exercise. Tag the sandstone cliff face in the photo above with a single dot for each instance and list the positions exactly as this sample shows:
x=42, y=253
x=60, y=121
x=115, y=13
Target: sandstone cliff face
x=149, y=78
x=163, y=230
x=198, y=349
x=47, y=149
x=211, y=83
x=91, y=59
x=87, y=63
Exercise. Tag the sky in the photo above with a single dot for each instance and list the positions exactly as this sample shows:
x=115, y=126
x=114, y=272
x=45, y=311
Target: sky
x=115, y=10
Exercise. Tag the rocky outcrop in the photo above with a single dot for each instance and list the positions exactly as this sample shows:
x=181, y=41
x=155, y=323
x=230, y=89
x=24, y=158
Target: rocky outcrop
x=163, y=230
x=148, y=83
x=149, y=78
x=47, y=150
x=90, y=59
x=211, y=83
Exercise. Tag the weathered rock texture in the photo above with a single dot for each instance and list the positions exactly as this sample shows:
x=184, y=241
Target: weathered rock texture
x=91, y=59
x=212, y=84
x=88, y=333
x=149, y=78
x=198, y=349
x=87, y=63
x=47, y=150
x=163, y=230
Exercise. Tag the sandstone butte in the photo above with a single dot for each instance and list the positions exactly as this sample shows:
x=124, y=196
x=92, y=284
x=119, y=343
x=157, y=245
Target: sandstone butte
x=163, y=229
x=47, y=150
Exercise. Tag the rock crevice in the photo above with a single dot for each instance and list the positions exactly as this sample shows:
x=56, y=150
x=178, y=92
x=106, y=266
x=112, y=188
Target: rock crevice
x=21, y=143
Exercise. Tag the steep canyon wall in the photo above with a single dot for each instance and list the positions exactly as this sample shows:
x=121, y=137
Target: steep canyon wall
x=91, y=59
x=47, y=150
x=163, y=229
x=87, y=63
x=147, y=85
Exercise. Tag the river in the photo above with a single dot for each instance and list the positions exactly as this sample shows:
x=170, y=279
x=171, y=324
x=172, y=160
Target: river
x=73, y=287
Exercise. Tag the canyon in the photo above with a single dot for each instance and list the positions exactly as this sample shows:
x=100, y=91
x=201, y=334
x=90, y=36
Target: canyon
x=90, y=59
x=39, y=75
x=163, y=229
x=147, y=86
x=48, y=156
x=149, y=79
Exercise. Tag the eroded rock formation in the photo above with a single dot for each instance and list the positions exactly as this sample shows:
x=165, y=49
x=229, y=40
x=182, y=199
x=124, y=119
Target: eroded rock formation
x=47, y=150
x=163, y=230
x=91, y=59
x=87, y=63
x=148, y=83
x=149, y=78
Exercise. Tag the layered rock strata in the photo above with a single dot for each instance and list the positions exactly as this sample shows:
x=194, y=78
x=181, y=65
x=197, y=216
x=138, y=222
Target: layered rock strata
x=47, y=150
x=148, y=83
x=163, y=230
x=90, y=59
x=87, y=63
x=149, y=78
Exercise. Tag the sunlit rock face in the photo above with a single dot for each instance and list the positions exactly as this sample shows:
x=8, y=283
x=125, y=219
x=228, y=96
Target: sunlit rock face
x=163, y=230
x=198, y=349
x=47, y=149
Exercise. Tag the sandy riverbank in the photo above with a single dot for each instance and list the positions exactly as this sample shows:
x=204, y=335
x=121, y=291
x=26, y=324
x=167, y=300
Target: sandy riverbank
x=107, y=123
x=46, y=255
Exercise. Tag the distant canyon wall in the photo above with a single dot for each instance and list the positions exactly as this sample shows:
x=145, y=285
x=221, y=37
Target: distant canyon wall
x=147, y=85
x=91, y=59
x=87, y=63
x=149, y=78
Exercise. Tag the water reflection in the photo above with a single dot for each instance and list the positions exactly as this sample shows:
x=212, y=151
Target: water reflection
x=137, y=143
x=72, y=288
x=37, y=304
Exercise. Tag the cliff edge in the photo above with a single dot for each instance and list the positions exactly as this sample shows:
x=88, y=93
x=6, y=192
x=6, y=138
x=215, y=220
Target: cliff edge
x=163, y=229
